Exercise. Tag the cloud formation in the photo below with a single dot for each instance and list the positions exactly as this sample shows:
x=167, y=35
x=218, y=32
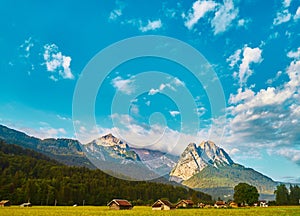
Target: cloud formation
x=151, y=25
x=57, y=63
x=224, y=17
x=249, y=56
x=123, y=85
x=268, y=118
x=198, y=10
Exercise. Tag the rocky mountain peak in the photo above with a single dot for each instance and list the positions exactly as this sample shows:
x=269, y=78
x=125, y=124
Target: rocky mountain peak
x=111, y=140
x=195, y=158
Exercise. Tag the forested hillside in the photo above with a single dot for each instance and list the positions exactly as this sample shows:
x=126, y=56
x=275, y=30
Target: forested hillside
x=30, y=176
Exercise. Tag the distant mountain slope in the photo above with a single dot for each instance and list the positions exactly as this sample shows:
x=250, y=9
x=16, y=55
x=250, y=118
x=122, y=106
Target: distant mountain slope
x=230, y=176
x=66, y=151
x=28, y=175
x=209, y=168
x=114, y=155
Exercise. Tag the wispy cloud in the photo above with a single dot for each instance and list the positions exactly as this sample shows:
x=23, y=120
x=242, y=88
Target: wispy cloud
x=26, y=47
x=297, y=15
x=45, y=132
x=174, y=113
x=224, y=17
x=151, y=25
x=268, y=118
x=117, y=12
x=283, y=15
x=249, y=56
x=57, y=63
x=175, y=82
x=198, y=10
x=125, y=86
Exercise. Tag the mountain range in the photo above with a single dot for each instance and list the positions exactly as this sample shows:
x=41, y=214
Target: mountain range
x=204, y=167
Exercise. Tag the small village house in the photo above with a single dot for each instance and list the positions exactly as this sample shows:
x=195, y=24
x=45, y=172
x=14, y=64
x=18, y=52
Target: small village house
x=185, y=204
x=220, y=204
x=5, y=203
x=119, y=204
x=26, y=205
x=201, y=205
x=162, y=205
x=263, y=203
x=233, y=205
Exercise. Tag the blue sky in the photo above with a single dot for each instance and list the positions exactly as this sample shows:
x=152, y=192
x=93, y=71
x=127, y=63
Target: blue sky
x=252, y=46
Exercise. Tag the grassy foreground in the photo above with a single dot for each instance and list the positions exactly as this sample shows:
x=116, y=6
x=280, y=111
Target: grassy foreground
x=138, y=210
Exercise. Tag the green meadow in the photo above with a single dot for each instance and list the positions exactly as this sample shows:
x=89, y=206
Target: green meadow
x=142, y=210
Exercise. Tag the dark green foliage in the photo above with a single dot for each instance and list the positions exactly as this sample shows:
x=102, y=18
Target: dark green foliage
x=294, y=196
x=286, y=197
x=282, y=195
x=229, y=176
x=245, y=194
x=30, y=176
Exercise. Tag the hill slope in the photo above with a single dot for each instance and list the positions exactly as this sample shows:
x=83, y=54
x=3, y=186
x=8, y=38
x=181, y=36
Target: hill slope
x=67, y=151
x=208, y=168
x=27, y=175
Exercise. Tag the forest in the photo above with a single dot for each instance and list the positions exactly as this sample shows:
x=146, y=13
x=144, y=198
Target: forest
x=28, y=176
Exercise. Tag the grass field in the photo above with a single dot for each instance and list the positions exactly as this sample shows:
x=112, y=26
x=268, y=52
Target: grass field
x=94, y=210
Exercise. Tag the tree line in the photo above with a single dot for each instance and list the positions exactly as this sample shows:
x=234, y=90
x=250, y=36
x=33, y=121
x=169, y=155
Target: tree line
x=287, y=197
x=30, y=176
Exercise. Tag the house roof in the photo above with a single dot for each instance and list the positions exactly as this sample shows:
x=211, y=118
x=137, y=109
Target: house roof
x=188, y=202
x=159, y=202
x=120, y=202
x=4, y=201
x=220, y=203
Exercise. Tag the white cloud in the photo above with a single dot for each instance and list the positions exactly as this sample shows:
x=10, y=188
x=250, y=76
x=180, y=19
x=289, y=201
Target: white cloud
x=269, y=118
x=294, y=54
x=115, y=14
x=124, y=85
x=26, y=47
x=174, y=113
x=234, y=58
x=291, y=154
x=224, y=17
x=286, y=3
x=118, y=11
x=282, y=17
x=56, y=62
x=175, y=82
x=45, y=132
x=153, y=91
x=151, y=26
x=199, y=9
x=297, y=15
x=178, y=82
x=250, y=56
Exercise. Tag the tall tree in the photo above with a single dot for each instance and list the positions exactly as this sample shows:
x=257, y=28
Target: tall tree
x=282, y=195
x=245, y=194
x=294, y=195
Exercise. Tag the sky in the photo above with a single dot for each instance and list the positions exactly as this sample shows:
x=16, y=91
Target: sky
x=226, y=71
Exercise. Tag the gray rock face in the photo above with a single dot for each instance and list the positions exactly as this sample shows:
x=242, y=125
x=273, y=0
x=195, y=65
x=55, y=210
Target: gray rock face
x=195, y=158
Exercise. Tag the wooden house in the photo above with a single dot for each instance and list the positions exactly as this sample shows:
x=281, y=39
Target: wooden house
x=201, y=205
x=26, y=205
x=185, y=204
x=162, y=205
x=263, y=203
x=233, y=205
x=220, y=204
x=5, y=203
x=119, y=204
